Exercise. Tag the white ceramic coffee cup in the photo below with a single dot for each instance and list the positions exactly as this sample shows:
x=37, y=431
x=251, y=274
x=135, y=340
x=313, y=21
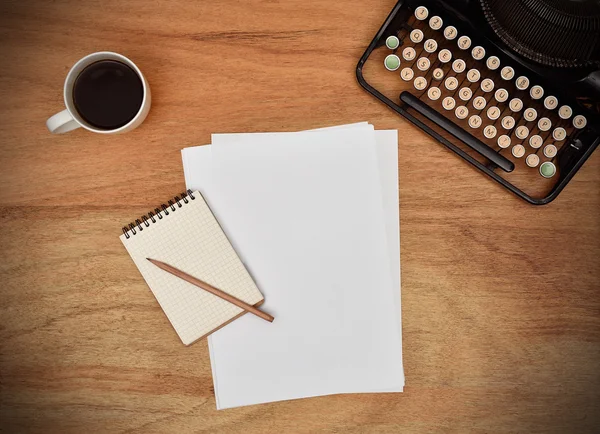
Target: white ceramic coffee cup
x=69, y=119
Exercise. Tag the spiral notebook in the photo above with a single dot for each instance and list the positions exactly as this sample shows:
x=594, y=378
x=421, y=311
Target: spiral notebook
x=185, y=234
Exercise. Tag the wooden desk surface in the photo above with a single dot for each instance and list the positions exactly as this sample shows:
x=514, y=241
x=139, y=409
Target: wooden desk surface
x=501, y=300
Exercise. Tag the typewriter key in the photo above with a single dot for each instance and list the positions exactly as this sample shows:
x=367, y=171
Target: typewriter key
x=508, y=122
x=504, y=141
x=501, y=95
x=544, y=124
x=493, y=63
x=515, y=105
x=473, y=75
x=579, y=122
x=550, y=102
x=536, y=92
x=420, y=83
x=565, y=112
x=421, y=13
x=450, y=33
x=522, y=82
x=559, y=134
x=461, y=112
x=465, y=94
x=530, y=114
x=464, y=42
x=445, y=55
x=550, y=151
x=535, y=141
x=451, y=83
x=522, y=132
x=436, y=22
x=430, y=45
x=507, y=73
x=407, y=74
x=459, y=66
x=489, y=131
x=532, y=160
x=448, y=103
x=409, y=53
x=416, y=36
x=438, y=73
x=392, y=42
x=547, y=169
x=434, y=93
x=475, y=121
x=518, y=151
x=392, y=62
x=478, y=53
x=423, y=63
x=487, y=85
x=479, y=103
x=493, y=112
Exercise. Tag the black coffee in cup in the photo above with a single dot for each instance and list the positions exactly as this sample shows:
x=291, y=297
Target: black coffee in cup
x=108, y=94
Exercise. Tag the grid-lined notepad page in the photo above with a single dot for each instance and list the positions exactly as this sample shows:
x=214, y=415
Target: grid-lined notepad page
x=191, y=240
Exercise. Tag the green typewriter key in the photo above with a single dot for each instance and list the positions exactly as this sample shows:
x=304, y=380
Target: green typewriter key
x=392, y=42
x=392, y=62
x=547, y=169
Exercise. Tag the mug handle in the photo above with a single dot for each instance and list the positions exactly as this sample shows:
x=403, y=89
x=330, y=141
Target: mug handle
x=62, y=122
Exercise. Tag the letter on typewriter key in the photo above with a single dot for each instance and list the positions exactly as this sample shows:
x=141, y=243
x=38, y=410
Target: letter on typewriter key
x=493, y=63
x=473, y=75
x=461, y=112
x=407, y=74
x=438, y=73
x=475, y=121
x=464, y=42
x=544, y=124
x=459, y=66
x=434, y=93
x=409, y=53
x=479, y=103
x=508, y=122
x=465, y=94
x=450, y=33
x=445, y=55
x=430, y=45
x=420, y=83
x=493, y=113
x=504, y=141
x=579, y=122
x=532, y=160
x=489, y=131
x=501, y=95
x=522, y=132
x=507, y=73
x=565, y=112
x=451, y=83
x=421, y=13
x=416, y=36
x=448, y=103
x=487, y=85
x=423, y=63
x=530, y=114
x=515, y=105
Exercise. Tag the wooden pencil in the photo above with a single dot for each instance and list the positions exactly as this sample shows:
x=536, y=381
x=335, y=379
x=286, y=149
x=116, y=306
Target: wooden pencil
x=221, y=294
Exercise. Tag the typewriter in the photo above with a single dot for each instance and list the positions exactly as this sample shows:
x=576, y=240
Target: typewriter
x=511, y=86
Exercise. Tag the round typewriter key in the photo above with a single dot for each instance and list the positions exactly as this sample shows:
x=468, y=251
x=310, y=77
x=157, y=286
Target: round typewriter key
x=565, y=112
x=420, y=83
x=559, y=134
x=487, y=85
x=459, y=66
x=536, y=92
x=436, y=22
x=515, y=105
x=579, y=122
x=434, y=93
x=451, y=83
x=475, y=121
x=445, y=56
x=547, y=169
x=530, y=114
x=508, y=122
x=522, y=132
x=479, y=103
x=532, y=160
x=478, y=53
x=535, y=141
x=416, y=36
x=501, y=95
x=392, y=42
x=522, y=82
x=465, y=94
x=493, y=63
x=504, y=141
x=450, y=33
x=407, y=74
x=421, y=13
x=423, y=63
x=489, y=131
x=461, y=112
x=464, y=42
x=392, y=62
x=438, y=73
x=550, y=102
x=550, y=151
x=430, y=45
x=544, y=124
x=473, y=75
x=409, y=53
x=493, y=112
x=518, y=151
x=448, y=103
x=507, y=73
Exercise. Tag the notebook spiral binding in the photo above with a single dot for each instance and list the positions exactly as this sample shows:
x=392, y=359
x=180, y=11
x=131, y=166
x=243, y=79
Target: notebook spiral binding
x=158, y=214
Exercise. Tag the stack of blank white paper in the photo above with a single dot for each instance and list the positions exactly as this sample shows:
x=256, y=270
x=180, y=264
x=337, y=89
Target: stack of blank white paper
x=314, y=217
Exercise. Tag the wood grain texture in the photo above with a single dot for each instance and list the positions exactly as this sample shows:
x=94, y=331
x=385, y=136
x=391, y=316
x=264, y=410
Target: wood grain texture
x=501, y=300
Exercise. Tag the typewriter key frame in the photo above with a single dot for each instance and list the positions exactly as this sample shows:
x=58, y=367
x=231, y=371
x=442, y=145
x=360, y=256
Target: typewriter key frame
x=572, y=154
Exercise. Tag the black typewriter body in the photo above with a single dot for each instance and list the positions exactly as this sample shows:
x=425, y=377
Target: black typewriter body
x=512, y=87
